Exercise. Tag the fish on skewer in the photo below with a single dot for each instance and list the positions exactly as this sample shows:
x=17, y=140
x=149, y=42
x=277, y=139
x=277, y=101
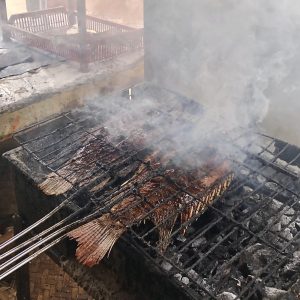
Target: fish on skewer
x=159, y=199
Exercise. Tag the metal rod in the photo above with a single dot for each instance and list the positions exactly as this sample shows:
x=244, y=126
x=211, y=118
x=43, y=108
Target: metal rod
x=22, y=275
x=41, y=234
x=37, y=223
x=31, y=257
x=31, y=248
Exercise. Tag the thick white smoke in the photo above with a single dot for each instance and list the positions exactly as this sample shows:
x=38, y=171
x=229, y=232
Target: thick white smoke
x=225, y=53
x=233, y=56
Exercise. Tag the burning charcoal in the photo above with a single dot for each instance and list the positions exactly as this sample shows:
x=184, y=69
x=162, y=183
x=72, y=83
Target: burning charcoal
x=272, y=186
x=294, y=169
x=193, y=275
x=276, y=227
x=294, y=266
x=185, y=280
x=198, y=242
x=166, y=266
x=277, y=206
x=276, y=294
x=247, y=190
x=256, y=257
x=203, y=282
x=285, y=220
x=295, y=289
x=267, y=155
x=178, y=276
x=227, y=296
x=287, y=234
x=297, y=226
x=261, y=179
x=244, y=171
x=181, y=238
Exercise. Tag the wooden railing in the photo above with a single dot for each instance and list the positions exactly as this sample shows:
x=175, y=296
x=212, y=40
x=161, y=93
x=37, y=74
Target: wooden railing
x=99, y=25
x=101, y=49
x=43, y=20
x=108, y=41
x=68, y=51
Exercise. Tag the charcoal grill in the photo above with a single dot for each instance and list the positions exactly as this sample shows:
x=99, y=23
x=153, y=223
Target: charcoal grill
x=244, y=246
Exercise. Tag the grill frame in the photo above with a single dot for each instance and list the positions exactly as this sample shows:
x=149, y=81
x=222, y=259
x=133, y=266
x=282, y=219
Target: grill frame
x=273, y=164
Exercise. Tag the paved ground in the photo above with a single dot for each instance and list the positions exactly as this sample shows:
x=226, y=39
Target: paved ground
x=48, y=281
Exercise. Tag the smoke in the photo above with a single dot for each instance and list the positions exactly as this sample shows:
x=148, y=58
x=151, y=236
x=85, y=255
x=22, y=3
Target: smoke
x=125, y=11
x=225, y=53
x=231, y=56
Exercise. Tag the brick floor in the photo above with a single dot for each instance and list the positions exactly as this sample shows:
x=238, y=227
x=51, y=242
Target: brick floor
x=47, y=281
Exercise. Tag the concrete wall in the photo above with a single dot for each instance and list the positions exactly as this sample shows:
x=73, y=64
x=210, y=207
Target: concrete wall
x=15, y=6
x=122, y=11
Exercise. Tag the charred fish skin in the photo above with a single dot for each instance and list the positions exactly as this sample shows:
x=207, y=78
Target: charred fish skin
x=165, y=204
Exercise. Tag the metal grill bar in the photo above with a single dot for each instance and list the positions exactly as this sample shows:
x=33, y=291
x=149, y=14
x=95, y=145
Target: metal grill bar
x=232, y=220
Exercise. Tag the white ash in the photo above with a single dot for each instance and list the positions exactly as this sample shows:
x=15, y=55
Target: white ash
x=198, y=242
x=272, y=186
x=244, y=171
x=246, y=210
x=293, y=267
x=267, y=156
x=185, y=280
x=166, y=266
x=182, y=279
x=295, y=289
x=203, y=283
x=177, y=257
x=255, y=257
x=247, y=189
x=290, y=167
x=276, y=227
x=277, y=206
x=227, y=296
x=287, y=234
x=193, y=274
x=296, y=255
x=178, y=276
x=285, y=220
x=276, y=294
x=181, y=238
x=294, y=169
x=261, y=179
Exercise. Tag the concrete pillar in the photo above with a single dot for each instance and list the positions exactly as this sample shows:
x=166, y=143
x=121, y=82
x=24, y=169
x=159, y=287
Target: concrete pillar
x=32, y=5
x=71, y=12
x=81, y=10
x=3, y=11
x=3, y=19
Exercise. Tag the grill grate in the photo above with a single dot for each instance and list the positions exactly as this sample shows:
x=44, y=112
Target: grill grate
x=245, y=243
